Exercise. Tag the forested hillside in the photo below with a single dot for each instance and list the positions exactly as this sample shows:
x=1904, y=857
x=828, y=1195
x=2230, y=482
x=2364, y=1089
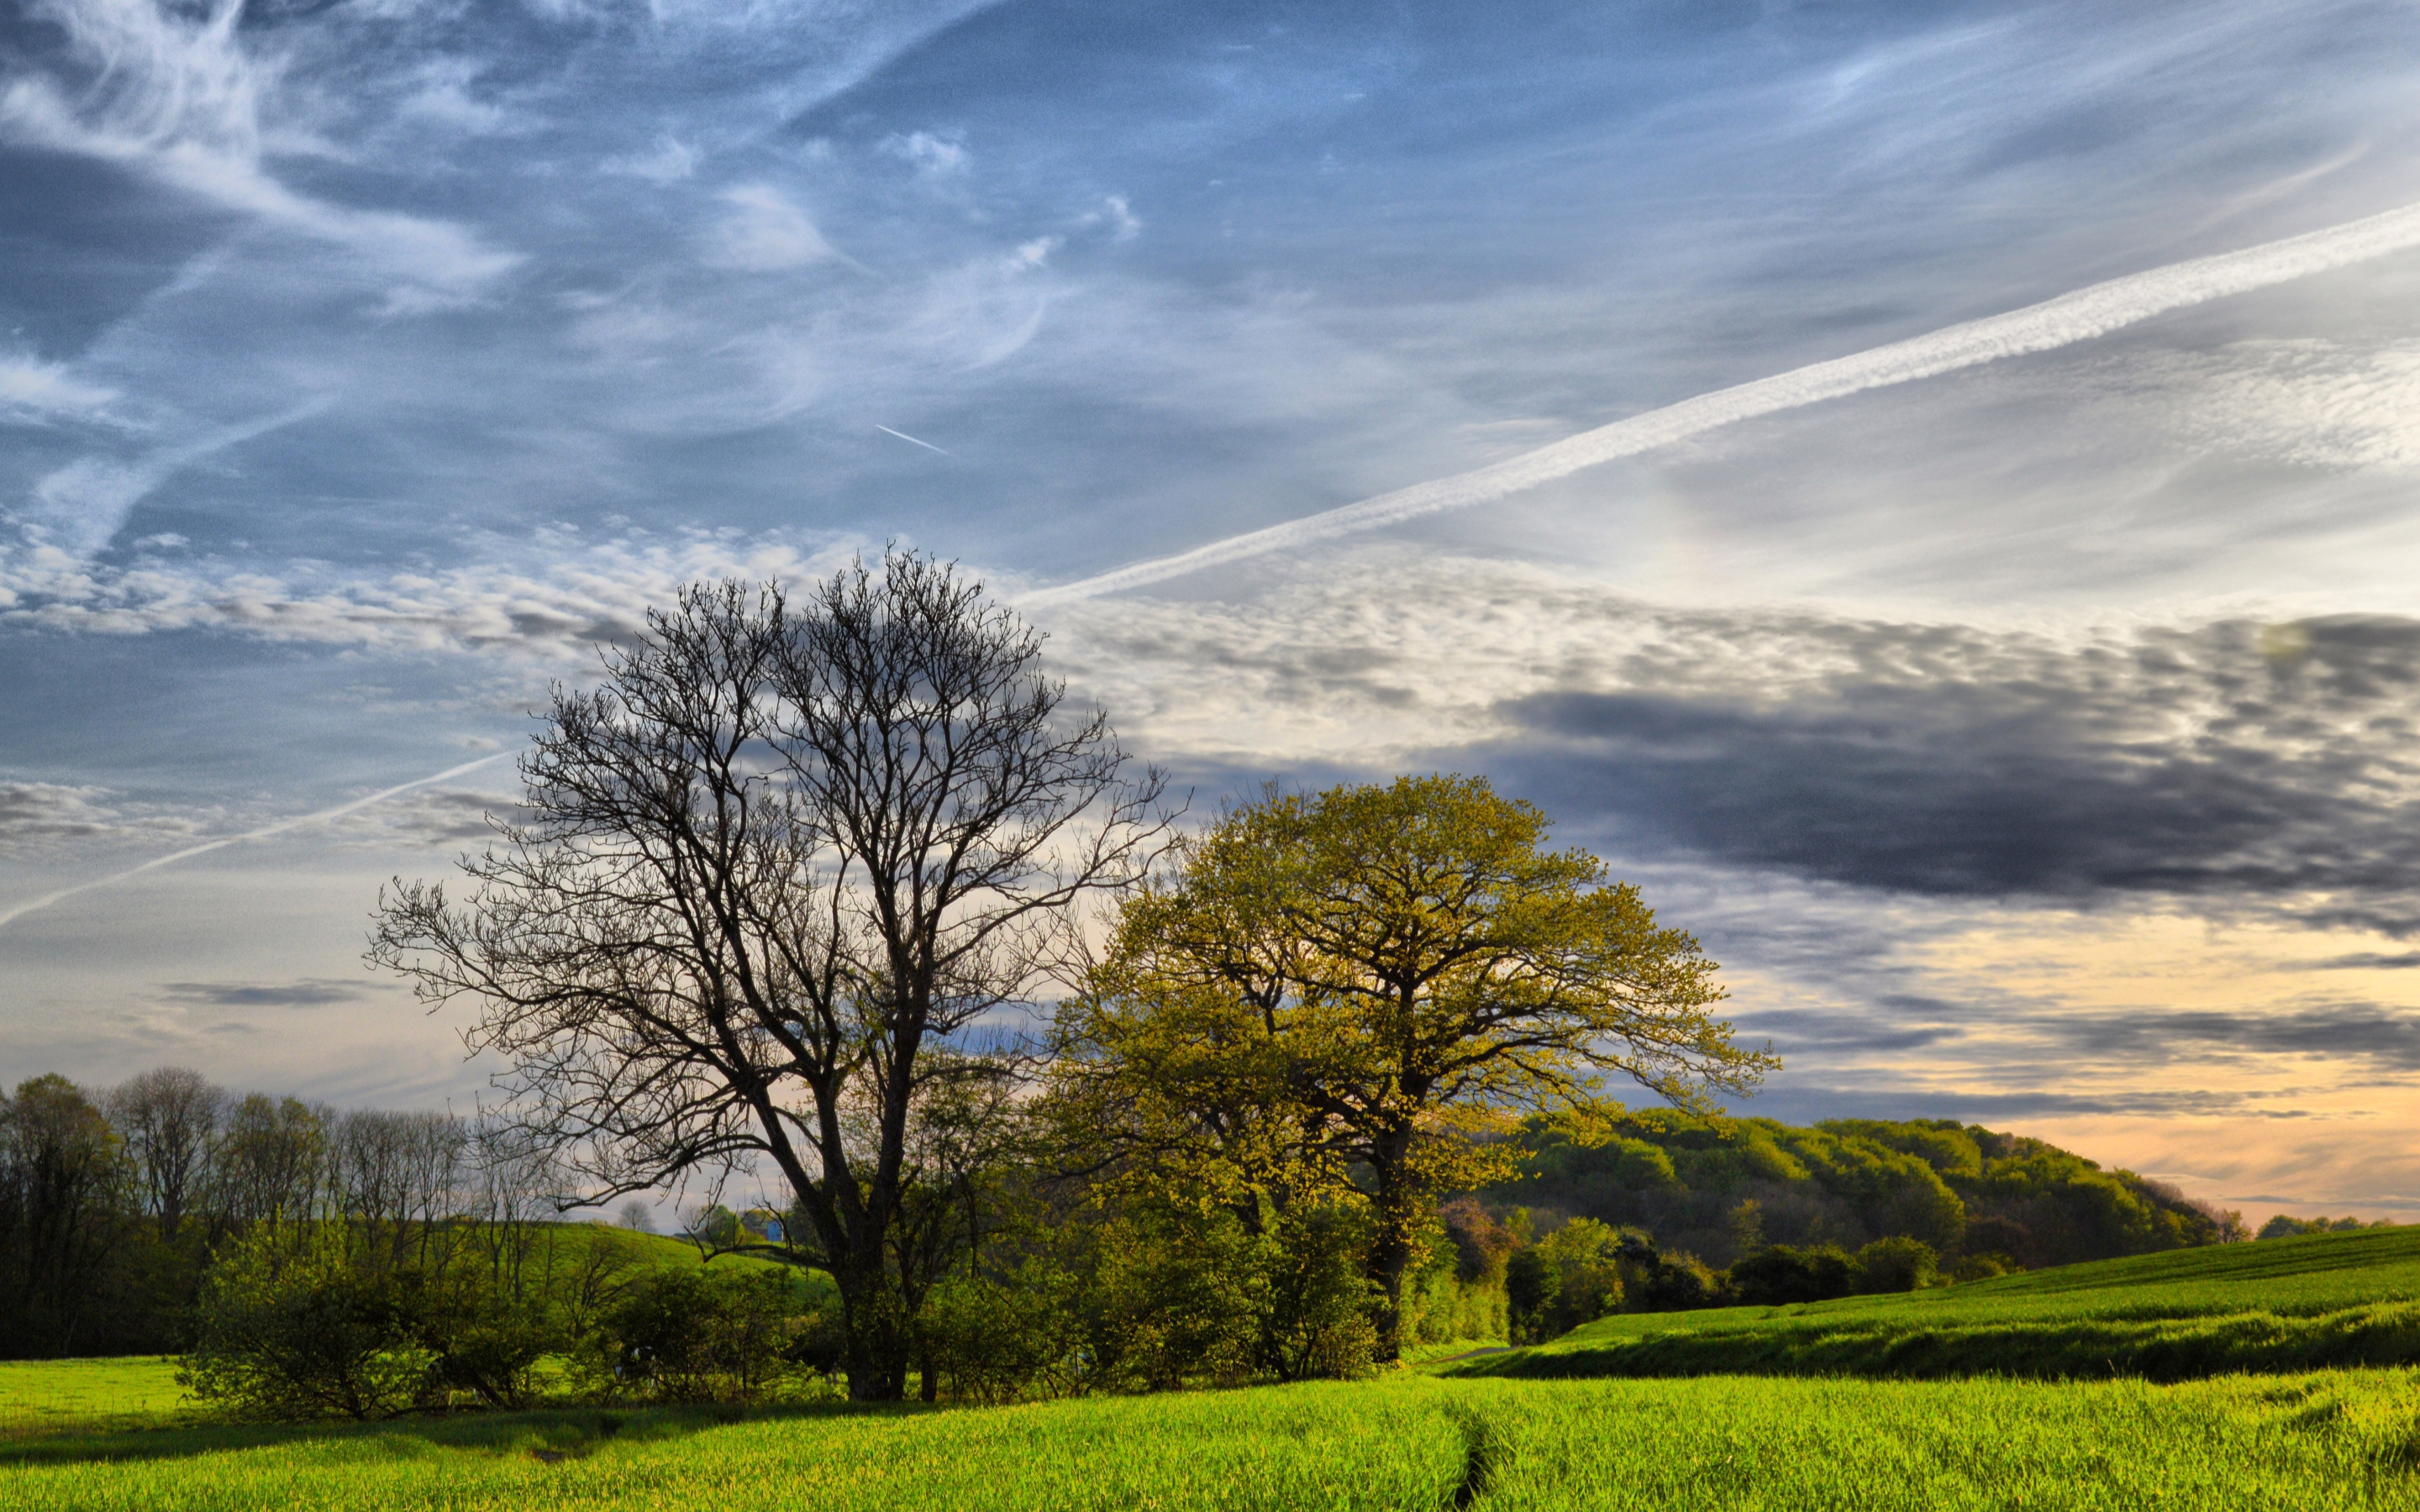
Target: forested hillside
x=1722, y=1188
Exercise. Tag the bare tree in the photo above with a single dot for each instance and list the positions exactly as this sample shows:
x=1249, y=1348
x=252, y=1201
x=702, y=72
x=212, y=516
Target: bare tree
x=636, y=1217
x=393, y=1180
x=774, y=862
x=270, y=1162
x=170, y=1118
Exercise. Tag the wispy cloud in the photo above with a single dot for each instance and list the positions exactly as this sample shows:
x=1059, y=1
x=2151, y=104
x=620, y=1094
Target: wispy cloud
x=281, y=827
x=77, y=508
x=2086, y=314
x=310, y=991
x=32, y=390
x=765, y=233
x=933, y=156
x=36, y=816
x=180, y=100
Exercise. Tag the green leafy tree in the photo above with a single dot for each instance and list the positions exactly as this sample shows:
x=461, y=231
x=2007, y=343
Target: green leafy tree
x=1897, y=1263
x=1372, y=976
x=66, y=1204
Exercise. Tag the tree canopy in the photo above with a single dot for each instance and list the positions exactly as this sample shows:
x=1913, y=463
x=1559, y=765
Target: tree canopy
x=1372, y=979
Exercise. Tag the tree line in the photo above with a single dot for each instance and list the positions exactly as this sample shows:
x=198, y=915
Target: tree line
x=114, y=1204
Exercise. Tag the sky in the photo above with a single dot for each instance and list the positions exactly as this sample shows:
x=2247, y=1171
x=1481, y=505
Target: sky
x=2020, y=709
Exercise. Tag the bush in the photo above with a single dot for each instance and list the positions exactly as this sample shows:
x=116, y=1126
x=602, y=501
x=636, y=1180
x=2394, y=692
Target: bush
x=1532, y=1284
x=1317, y=1323
x=1897, y=1264
x=1573, y=1276
x=1179, y=1296
x=1676, y=1283
x=694, y=1335
x=293, y=1332
x=1004, y=1340
x=477, y=1340
x=1779, y=1274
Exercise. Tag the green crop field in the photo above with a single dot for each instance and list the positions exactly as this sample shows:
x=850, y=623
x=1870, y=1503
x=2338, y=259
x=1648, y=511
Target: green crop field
x=2277, y=1305
x=2336, y=1439
x=112, y=1433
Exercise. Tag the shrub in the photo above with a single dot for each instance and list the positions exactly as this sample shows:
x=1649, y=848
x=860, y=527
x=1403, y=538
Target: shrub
x=694, y=1335
x=1676, y=1283
x=1318, y=1301
x=1780, y=1274
x=1179, y=1296
x=1004, y=1340
x=287, y=1333
x=1897, y=1264
x=478, y=1340
x=1532, y=1284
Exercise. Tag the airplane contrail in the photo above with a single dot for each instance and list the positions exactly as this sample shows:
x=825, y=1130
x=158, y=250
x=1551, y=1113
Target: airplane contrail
x=262, y=833
x=2087, y=312
x=910, y=440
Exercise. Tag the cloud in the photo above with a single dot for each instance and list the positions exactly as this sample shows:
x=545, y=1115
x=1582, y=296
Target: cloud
x=32, y=390
x=309, y=991
x=2384, y=1038
x=934, y=157
x=443, y=100
x=179, y=99
x=446, y=818
x=2367, y=961
x=49, y=811
x=670, y=162
x=765, y=233
x=36, y=815
x=2081, y=315
x=2191, y=762
x=540, y=600
x=78, y=507
x=1810, y=1103
x=2217, y=763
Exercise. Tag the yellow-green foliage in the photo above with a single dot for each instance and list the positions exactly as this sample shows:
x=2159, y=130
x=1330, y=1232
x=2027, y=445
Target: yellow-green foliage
x=2278, y=1306
x=1687, y=1179
x=1440, y=1308
x=2348, y=1440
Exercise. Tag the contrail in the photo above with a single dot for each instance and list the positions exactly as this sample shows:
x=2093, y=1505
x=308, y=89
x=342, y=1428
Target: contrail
x=2090, y=312
x=910, y=440
x=263, y=833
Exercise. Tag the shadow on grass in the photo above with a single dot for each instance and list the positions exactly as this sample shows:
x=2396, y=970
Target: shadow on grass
x=550, y=1433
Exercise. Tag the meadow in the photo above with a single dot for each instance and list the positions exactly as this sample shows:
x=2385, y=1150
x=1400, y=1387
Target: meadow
x=2329, y=1441
x=109, y=1434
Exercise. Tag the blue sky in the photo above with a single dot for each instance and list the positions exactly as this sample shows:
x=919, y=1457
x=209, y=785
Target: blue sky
x=2030, y=741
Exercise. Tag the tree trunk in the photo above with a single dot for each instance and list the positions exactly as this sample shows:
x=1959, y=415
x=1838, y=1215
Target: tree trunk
x=1396, y=1207
x=878, y=1353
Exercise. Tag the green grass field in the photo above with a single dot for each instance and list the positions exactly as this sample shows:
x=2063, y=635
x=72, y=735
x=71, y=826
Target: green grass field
x=2336, y=1439
x=111, y=1434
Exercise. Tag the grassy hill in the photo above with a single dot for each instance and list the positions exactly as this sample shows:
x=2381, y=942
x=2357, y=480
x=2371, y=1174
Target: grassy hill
x=2276, y=1305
